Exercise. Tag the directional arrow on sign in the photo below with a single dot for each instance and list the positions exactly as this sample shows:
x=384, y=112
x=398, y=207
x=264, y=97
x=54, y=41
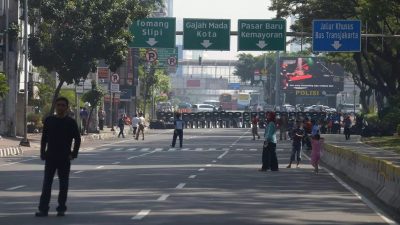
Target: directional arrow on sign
x=336, y=45
x=261, y=44
x=152, y=41
x=206, y=43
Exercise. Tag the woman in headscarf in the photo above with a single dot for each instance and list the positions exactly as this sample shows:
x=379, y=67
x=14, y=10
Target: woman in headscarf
x=269, y=158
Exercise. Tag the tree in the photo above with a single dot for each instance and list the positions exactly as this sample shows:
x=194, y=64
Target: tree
x=245, y=67
x=3, y=85
x=45, y=90
x=377, y=63
x=94, y=97
x=71, y=36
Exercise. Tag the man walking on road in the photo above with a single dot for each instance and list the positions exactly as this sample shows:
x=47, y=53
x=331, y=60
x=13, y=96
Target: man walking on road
x=55, y=149
x=178, y=132
x=254, y=129
x=121, y=125
x=135, y=124
x=269, y=158
x=297, y=136
x=141, y=123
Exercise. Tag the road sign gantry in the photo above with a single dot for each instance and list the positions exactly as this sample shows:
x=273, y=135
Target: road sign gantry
x=262, y=35
x=336, y=36
x=153, y=33
x=206, y=34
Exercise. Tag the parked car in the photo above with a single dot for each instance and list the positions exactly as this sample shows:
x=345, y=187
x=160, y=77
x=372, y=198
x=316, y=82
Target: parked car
x=203, y=108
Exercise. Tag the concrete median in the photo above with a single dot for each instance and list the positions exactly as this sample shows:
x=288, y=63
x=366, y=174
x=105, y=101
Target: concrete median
x=379, y=176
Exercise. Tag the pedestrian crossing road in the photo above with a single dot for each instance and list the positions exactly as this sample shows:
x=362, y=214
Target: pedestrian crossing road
x=212, y=180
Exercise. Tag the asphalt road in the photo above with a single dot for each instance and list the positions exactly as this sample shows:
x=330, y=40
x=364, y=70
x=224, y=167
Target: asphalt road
x=213, y=179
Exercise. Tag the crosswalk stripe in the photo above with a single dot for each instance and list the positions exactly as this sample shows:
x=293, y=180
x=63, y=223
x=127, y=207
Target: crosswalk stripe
x=158, y=149
x=144, y=149
x=117, y=149
x=199, y=149
x=131, y=149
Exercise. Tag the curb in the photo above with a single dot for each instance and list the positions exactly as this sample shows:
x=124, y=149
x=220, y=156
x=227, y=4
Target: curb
x=379, y=176
x=10, y=151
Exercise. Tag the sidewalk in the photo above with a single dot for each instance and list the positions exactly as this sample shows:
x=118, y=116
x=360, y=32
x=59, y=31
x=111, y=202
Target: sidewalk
x=10, y=145
x=355, y=144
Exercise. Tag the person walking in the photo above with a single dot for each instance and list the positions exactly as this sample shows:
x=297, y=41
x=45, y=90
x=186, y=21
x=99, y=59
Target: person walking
x=283, y=127
x=347, y=124
x=135, y=124
x=102, y=115
x=84, y=118
x=254, y=127
x=121, y=125
x=269, y=158
x=55, y=150
x=141, y=125
x=178, y=132
x=317, y=143
x=297, y=137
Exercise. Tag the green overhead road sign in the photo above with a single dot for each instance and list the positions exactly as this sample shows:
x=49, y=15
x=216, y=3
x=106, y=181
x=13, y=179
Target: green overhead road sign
x=261, y=35
x=206, y=34
x=153, y=33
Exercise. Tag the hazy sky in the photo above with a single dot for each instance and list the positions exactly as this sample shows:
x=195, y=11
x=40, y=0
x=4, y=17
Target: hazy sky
x=222, y=9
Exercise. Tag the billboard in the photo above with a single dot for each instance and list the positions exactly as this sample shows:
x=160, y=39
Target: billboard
x=310, y=73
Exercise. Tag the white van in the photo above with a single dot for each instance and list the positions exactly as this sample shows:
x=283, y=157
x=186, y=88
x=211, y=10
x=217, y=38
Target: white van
x=203, y=108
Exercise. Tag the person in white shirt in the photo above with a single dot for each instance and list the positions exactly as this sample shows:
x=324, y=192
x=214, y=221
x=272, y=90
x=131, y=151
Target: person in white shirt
x=135, y=124
x=178, y=132
x=141, y=125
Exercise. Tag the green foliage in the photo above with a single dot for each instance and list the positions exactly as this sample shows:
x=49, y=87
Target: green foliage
x=376, y=64
x=70, y=95
x=3, y=85
x=71, y=36
x=398, y=129
x=93, y=96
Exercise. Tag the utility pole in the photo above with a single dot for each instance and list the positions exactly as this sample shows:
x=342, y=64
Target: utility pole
x=277, y=91
x=25, y=141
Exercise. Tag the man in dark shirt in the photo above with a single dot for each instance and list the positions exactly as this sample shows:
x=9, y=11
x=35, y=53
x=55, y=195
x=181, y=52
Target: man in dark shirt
x=58, y=132
x=298, y=134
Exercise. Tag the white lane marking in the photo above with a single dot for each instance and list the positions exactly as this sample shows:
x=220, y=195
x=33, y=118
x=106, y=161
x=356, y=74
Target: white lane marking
x=180, y=186
x=192, y=176
x=208, y=165
x=15, y=188
x=115, y=163
x=144, y=149
x=212, y=149
x=237, y=140
x=222, y=155
x=253, y=150
x=9, y=164
x=172, y=149
x=225, y=149
x=117, y=149
x=79, y=171
x=370, y=204
x=158, y=149
x=214, y=161
x=201, y=169
x=141, y=214
x=239, y=149
x=199, y=149
x=163, y=197
x=131, y=149
x=185, y=149
x=99, y=167
x=138, y=156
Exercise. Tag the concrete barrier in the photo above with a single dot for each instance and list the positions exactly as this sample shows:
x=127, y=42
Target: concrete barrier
x=379, y=176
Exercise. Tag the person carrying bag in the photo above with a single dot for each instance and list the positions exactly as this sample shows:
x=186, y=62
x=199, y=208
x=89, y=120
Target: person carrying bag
x=269, y=157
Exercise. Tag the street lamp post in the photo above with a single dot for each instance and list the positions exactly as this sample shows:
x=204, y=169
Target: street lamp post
x=25, y=141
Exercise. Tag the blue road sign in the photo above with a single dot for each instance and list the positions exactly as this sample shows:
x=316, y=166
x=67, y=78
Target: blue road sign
x=234, y=86
x=336, y=35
